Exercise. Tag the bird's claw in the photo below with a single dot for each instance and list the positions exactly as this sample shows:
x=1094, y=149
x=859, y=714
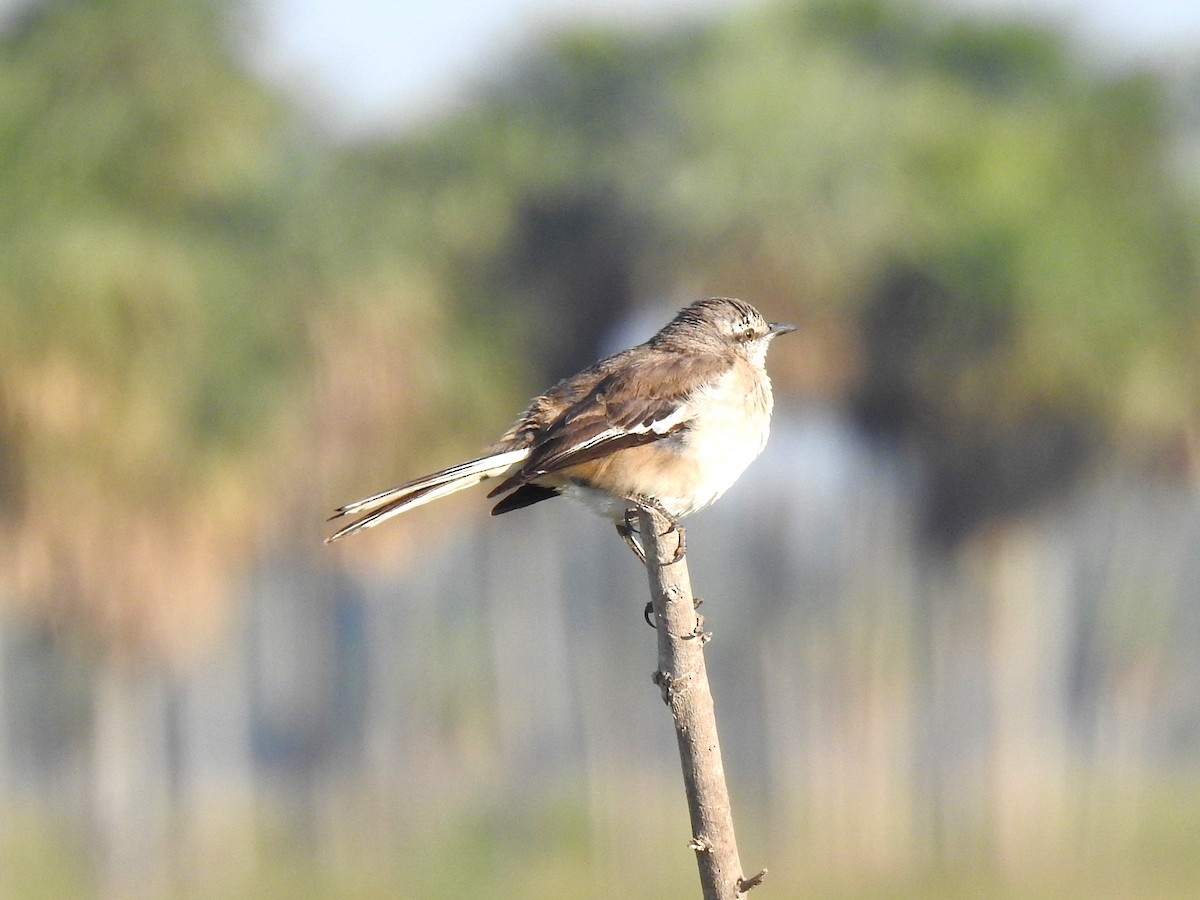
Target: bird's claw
x=631, y=516
x=627, y=530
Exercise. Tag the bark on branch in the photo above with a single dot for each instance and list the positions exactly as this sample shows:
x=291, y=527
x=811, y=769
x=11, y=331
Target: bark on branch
x=684, y=682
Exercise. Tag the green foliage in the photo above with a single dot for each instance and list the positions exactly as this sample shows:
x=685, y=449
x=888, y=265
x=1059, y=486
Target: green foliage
x=876, y=130
x=193, y=279
x=808, y=148
x=171, y=241
x=132, y=144
x=805, y=154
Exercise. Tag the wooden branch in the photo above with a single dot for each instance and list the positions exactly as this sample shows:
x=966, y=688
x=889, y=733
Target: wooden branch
x=684, y=682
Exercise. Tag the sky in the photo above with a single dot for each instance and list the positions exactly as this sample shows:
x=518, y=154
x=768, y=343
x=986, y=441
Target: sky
x=369, y=65
x=378, y=65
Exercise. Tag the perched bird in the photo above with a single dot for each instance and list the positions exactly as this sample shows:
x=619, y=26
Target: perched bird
x=668, y=424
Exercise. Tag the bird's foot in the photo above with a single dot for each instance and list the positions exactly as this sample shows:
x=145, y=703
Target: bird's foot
x=627, y=529
x=673, y=525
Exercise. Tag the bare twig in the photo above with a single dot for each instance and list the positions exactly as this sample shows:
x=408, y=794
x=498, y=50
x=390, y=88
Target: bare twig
x=684, y=682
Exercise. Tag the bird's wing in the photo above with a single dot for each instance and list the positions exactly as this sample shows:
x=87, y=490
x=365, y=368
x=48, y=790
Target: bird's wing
x=632, y=404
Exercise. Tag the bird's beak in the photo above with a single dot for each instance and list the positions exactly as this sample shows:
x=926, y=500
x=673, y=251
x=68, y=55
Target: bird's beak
x=779, y=328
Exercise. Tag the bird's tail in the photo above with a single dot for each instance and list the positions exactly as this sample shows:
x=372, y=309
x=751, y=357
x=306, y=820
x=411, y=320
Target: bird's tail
x=416, y=493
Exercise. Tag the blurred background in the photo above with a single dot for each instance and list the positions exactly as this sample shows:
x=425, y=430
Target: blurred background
x=263, y=258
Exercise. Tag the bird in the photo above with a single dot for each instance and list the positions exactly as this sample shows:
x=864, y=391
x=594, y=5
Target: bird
x=669, y=424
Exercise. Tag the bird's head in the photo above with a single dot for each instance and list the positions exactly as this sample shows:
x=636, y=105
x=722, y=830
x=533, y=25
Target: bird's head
x=722, y=323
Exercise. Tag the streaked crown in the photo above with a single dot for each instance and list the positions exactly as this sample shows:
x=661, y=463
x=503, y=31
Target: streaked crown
x=719, y=323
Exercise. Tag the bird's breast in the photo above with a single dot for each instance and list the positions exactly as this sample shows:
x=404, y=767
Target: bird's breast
x=728, y=432
x=725, y=429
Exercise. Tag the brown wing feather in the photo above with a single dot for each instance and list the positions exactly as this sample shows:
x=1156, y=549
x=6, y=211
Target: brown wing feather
x=616, y=411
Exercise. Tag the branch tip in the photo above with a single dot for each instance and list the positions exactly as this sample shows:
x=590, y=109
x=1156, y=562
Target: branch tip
x=745, y=884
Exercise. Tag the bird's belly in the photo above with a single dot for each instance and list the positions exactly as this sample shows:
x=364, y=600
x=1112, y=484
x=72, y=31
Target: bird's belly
x=717, y=453
x=685, y=472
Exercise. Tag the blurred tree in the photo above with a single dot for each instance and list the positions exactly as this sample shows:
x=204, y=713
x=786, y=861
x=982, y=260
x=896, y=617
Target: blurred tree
x=142, y=348
x=136, y=166
x=181, y=251
x=213, y=321
x=1001, y=226
x=987, y=242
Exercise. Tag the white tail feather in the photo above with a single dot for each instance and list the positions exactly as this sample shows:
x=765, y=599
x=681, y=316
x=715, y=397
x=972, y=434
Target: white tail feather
x=416, y=493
